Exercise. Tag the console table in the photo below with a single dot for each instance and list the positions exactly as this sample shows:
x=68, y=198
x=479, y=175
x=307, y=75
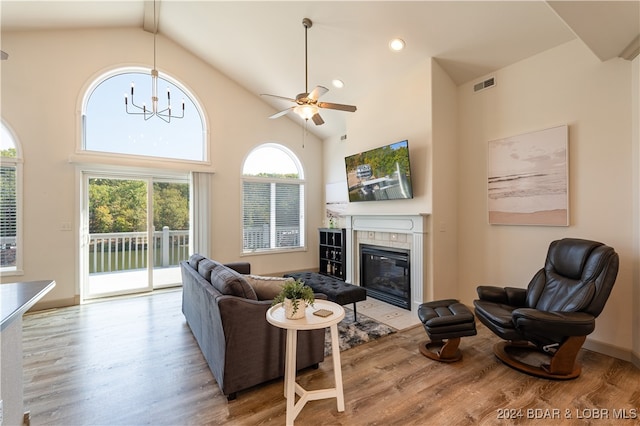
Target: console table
x=276, y=316
x=15, y=300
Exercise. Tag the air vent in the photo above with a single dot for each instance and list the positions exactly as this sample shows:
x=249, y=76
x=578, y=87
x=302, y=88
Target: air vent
x=490, y=82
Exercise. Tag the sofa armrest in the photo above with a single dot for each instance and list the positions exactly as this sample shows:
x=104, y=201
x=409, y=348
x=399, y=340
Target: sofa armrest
x=238, y=313
x=254, y=349
x=240, y=267
x=250, y=342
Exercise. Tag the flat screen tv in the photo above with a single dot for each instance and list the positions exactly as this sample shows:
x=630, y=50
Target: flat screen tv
x=380, y=174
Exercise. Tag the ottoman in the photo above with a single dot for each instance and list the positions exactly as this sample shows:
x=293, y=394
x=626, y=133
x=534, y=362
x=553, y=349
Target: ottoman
x=334, y=288
x=445, y=320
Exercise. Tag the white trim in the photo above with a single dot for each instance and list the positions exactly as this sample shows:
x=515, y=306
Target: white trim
x=99, y=77
x=113, y=162
x=277, y=146
x=83, y=174
x=413, y=224
x=273, y=181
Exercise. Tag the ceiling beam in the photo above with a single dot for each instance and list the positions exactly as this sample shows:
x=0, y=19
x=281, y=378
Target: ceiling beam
x=632, y=50
x=148, y=24
x=589, y=20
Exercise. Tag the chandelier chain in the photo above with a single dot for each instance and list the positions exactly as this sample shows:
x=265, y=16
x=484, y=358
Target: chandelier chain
x=165, y=114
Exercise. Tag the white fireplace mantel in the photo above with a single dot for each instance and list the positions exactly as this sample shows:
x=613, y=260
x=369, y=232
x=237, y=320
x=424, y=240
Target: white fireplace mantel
x=414, y=225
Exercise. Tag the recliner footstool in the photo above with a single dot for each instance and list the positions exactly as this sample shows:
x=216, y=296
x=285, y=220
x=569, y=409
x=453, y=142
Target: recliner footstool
x=445, y=320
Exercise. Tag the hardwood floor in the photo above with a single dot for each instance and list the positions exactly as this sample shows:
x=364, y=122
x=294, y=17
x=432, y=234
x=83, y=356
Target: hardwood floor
x=134, y=361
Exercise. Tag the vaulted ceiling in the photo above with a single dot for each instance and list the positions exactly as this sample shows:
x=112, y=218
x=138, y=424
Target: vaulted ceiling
x=260, y=44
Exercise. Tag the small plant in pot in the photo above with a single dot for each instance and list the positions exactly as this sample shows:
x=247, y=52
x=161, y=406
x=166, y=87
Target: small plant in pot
x=295, y=295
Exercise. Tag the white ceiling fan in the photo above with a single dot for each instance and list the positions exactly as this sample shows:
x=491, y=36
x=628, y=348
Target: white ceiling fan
x=307, y=103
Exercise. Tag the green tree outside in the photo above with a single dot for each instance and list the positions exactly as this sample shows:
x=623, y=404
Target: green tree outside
x=118, y=205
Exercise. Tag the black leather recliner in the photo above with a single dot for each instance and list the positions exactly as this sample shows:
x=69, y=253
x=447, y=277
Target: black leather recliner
x=555, y=313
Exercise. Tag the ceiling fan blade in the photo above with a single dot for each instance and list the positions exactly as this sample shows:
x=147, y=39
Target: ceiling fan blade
x=317, y=119
x=279, y=97
x=317, y=92
x=281, y=113
x=341, y=107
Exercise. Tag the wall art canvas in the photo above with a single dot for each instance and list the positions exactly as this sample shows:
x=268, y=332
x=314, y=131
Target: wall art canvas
x=528, y=178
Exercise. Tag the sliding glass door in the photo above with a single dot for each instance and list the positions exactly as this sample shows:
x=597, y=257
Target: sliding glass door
x=171, y=231
x=135, y=233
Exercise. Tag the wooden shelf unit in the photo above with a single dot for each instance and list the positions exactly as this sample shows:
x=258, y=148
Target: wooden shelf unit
x=332, y=251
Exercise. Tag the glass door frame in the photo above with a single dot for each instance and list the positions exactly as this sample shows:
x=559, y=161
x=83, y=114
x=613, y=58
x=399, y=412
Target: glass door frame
x=84, y=238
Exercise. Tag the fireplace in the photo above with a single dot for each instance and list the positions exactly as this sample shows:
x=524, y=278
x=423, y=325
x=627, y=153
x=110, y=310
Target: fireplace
x=393, y=231
x=385, y=273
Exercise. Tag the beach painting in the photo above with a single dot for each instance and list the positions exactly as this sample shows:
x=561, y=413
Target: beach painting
x=528, y=179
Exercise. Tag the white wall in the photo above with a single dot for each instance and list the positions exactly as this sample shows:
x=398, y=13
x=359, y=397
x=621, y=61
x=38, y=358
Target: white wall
x=420, y=106
x=444, y=184
x=399, y=110
x=565, y=85
x=42, y=88
x=395, y=112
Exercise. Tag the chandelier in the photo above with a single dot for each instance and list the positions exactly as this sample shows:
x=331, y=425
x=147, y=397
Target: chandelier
x=166, y=113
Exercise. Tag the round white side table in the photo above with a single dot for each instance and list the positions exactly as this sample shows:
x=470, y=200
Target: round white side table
x=276, y=316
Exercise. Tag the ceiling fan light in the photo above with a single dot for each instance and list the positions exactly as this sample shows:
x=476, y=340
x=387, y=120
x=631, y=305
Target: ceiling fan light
x=306, y=111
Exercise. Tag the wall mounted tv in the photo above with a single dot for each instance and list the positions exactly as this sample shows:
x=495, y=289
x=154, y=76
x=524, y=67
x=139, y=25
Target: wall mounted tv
x=380, y=174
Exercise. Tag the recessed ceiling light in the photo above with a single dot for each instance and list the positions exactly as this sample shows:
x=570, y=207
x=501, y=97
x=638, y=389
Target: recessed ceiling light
x=337, y=83
x=396, y=44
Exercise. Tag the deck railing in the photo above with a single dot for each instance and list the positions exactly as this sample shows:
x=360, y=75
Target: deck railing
x=8, y=247
x=259, y=237
x=122, y=251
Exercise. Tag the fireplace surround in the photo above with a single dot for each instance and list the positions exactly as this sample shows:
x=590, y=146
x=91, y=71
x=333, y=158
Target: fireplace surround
x=407, y=232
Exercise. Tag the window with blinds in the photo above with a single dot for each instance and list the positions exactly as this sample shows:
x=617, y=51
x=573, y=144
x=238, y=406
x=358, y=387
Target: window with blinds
x=272, y=200
x=8, y=203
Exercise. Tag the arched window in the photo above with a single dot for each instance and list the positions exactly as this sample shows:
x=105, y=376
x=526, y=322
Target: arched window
x=107, y=127
x=272, y=200
x=10, y=203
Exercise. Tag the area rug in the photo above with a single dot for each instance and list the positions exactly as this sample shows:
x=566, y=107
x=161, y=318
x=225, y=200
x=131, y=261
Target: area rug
x=353, y=333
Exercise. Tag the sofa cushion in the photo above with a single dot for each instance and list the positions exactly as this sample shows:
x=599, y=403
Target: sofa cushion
x=205, y=266
x=266, y=288
x=229, y=282
x=194, y=259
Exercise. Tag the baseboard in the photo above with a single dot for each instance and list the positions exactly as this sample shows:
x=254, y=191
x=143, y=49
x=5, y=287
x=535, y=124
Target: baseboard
x=52, y=304
x=609, y=350
x=635, y=359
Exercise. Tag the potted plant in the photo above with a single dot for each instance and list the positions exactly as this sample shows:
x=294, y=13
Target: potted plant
x=295, y=296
